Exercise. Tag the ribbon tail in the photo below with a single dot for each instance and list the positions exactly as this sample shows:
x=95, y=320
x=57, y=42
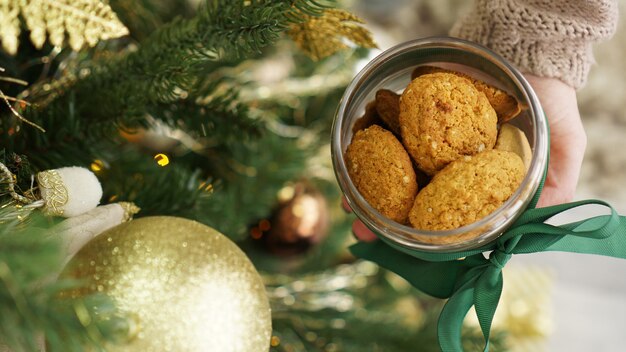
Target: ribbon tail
x=486, y=297
x=433, y=278
x=612, y=246
x=451, y=318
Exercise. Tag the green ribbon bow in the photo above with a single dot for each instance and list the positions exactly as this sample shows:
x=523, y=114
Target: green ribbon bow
x=477, y=280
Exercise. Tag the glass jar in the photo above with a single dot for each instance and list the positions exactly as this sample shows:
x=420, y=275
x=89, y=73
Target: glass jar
x=392, y=70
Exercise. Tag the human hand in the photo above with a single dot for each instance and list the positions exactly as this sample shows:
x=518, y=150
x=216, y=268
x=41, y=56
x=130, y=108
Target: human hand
x=567, y=146
x=567, y=139
x=359, y=229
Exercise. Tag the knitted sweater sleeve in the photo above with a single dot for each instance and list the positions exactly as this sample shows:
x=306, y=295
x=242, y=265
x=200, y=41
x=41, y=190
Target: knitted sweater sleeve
x=543, y=37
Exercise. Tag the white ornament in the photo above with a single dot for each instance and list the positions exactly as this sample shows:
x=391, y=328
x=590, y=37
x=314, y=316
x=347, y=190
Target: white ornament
x=79, y=230
x=69, y=191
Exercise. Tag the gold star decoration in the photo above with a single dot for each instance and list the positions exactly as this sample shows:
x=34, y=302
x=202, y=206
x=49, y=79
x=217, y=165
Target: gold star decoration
x=84, y=21
x=321, y=36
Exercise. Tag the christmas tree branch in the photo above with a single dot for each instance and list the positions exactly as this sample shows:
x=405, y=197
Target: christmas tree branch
x=167, y=68
x=30, y=305
x=227, y=187
x=169, y=62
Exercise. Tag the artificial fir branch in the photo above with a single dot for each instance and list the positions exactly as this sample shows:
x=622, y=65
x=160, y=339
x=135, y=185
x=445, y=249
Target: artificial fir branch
x=212, y=119
x=251, y=177
x=165, y=67
x=170, y=60
x=246, y=179
x=160, y=79
x=131, y=175
x=30, y=306
x=143, y=17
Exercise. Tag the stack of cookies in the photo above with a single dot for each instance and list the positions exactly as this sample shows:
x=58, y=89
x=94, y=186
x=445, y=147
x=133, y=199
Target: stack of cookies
x=440, y=156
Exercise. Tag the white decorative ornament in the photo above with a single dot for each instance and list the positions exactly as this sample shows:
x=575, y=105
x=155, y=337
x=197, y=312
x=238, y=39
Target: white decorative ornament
x=79, y=230
x=69, y=191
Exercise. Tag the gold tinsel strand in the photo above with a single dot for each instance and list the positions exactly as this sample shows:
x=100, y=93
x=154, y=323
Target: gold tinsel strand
x=7, y=99
x=84, y=21
x=321, y=36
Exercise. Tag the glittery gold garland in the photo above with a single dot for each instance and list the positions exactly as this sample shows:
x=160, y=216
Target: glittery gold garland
x=10, y=180
x=322, y=36
x=130, y=209
x=56, y=195
x=84, y=21
x=6, y=99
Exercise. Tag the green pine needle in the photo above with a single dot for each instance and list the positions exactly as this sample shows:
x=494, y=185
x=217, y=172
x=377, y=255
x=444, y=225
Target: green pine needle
x=31, y=308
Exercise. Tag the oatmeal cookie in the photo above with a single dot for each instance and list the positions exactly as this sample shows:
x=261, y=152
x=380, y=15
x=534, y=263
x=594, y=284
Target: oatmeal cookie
x=369, y=118
x=381, y=170
x=467, y=190
x=444, y=117
x=512, y=139
x=506, y=106
x=388, y=108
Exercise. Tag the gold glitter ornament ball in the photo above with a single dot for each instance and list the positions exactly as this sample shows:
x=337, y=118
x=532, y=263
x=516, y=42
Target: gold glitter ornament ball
x=183, y=285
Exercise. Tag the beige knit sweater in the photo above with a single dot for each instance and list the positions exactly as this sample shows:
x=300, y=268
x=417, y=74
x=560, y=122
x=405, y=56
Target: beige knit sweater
x=543, y=37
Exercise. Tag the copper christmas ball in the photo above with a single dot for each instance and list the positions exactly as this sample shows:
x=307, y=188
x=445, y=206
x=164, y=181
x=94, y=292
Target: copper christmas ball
x=300, y=221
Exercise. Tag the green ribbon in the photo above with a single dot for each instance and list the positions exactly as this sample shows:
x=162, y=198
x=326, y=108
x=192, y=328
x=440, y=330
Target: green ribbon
x=477, y=280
